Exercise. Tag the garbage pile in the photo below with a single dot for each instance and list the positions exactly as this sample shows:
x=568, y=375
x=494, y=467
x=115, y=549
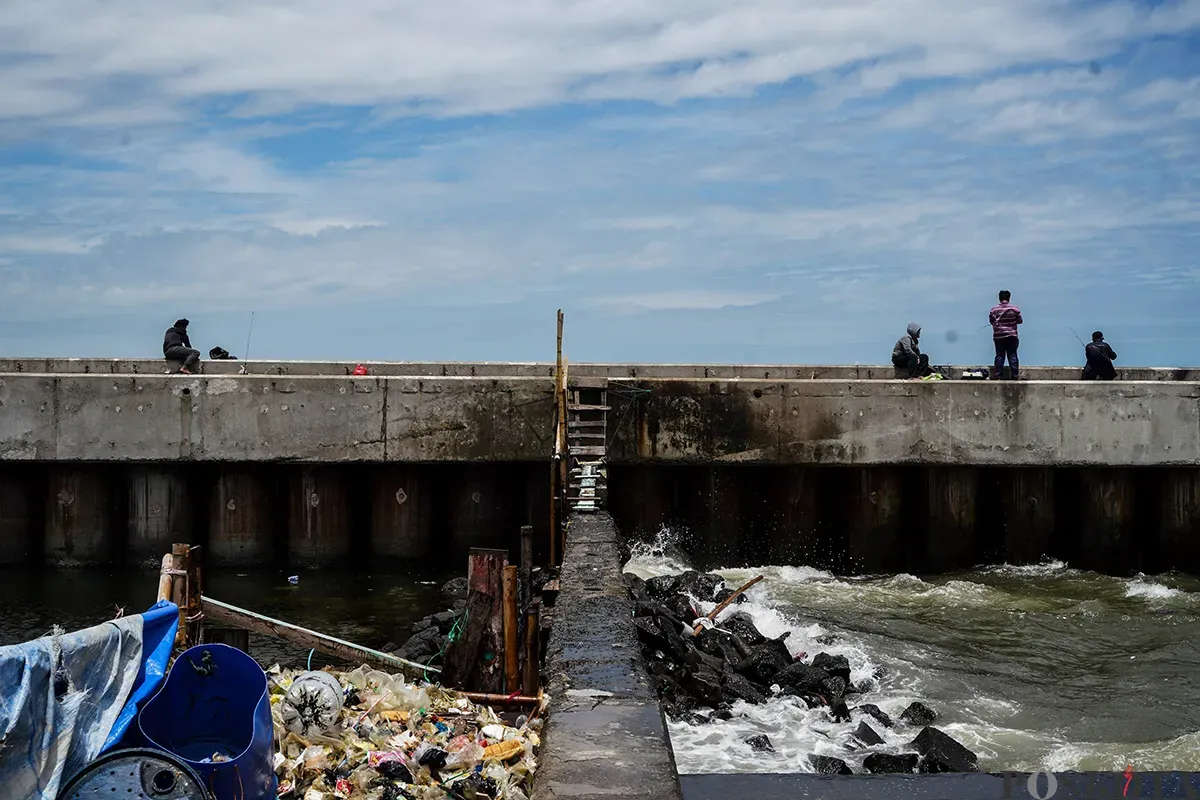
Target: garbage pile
x=699, y=678
x=368, y=735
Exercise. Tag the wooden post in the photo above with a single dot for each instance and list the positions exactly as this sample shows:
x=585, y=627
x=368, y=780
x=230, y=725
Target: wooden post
x=172, y=586
x=475, y=662
x=564, y=465
x=512, y=645
x=526, y=565
x=531, y=677
x=193, y=602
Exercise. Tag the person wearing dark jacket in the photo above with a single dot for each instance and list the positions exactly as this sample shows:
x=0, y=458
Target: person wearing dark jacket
x=1100, y=358
x=907, y=357
x=178, y=347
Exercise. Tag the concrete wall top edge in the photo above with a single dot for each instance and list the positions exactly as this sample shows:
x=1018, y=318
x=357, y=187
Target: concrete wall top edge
x=537, y=369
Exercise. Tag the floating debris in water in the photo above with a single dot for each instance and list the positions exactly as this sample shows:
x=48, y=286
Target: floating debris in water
x=392, y=739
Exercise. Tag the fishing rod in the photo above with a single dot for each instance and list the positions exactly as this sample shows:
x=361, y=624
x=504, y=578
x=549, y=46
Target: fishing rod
x=246, y=361
x=1076, y=335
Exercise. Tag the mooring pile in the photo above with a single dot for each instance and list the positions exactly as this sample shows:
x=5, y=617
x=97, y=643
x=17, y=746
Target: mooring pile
x=703, y=665
x=368, y=735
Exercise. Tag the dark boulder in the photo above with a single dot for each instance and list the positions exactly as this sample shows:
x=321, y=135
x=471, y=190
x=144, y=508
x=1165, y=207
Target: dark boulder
x=663, y=586
x=834, y=688
x=455, y=589
x=839, y=712
x=940, y=753
x=423, y=646
x=800, y=678
x=637, y=586
x=724, y=594
x=918, y=715
x=700, y=585
x=877, y=713
x=880, y=763
x=736, y=686
x=828, y=765
x=762, y=665
x=742, y=625
x=867, y=735
x=680, y=607
x=723, y=712
x=834, y=665
x=445, y=620
x=739, y=647
x=422, y=624
x=760, y=743
x=650, y=634
x=698, y=659
x=705, y=685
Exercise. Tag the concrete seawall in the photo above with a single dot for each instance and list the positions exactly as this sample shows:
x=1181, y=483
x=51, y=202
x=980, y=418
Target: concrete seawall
x=89, y=417
x=107, y=461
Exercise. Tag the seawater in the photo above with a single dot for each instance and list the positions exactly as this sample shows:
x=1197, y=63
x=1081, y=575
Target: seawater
x=1034, y=668
x=372, y=609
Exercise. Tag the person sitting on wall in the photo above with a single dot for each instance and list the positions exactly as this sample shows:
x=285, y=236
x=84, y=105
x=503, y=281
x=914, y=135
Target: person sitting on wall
x=178, y=347
x=1100, y=357
x=907, y=357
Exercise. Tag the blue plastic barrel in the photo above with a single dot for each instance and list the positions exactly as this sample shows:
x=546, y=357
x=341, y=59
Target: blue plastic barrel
x=215, y=705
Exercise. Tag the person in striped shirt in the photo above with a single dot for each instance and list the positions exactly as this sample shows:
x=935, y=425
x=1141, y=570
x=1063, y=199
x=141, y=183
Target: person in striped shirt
x=1004, y=319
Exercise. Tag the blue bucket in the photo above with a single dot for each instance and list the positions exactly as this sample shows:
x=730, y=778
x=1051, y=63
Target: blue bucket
x=215, y=702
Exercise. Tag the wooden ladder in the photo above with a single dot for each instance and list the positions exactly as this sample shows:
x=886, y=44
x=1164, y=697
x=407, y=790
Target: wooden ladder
x=587, y=435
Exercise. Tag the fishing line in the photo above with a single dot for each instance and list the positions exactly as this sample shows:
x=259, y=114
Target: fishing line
x=249, y=334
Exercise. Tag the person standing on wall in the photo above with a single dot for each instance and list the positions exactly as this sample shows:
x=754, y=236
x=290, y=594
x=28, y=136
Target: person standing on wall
x=1004, y=319
x=178, y=347
x=1100, y=357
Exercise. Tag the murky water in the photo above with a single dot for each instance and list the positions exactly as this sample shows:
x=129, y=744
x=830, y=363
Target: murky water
x=1041, y=667
x=368, y=609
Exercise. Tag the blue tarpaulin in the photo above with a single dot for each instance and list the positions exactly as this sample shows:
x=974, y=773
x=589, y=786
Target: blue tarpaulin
x=66, y=698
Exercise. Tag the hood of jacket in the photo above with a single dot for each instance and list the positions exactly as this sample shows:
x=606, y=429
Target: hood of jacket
x=914, y=330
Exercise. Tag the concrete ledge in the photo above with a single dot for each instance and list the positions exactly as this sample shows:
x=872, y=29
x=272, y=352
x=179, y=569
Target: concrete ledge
x=328, y=419
x=605, y=736
x=543, y=369
x=838, y=422
x=82, y=417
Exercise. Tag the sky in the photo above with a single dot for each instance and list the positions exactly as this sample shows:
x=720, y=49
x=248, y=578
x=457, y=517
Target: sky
x=759, y=181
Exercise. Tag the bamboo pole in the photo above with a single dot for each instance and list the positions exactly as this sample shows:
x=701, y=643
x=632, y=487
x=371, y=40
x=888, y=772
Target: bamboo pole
x=725, y=603
x=234, y=617
x=512, y=646
x=164, y=578
x=531, y=677
x=485, y=698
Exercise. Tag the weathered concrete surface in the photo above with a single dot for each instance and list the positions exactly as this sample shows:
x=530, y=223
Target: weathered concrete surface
x=92, y=417
x=254, y=418
x=605, y=736
x=982, y=423
x=541, y=369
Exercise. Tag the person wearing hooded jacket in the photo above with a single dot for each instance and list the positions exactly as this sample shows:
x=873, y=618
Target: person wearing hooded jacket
x=907, y=357
x=178, y=347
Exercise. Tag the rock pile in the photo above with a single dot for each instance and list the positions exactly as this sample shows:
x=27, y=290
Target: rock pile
x=699, y=678
x=431, y=634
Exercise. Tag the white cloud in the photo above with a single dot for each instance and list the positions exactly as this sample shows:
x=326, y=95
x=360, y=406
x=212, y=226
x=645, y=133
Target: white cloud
x=464, y=56
x=691, y=299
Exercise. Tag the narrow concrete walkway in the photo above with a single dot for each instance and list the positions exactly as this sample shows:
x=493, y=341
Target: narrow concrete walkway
x=605, y=736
